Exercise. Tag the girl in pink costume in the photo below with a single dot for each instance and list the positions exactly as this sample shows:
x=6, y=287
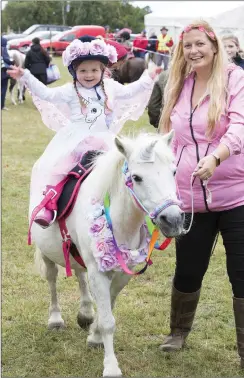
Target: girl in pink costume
x=86, y=114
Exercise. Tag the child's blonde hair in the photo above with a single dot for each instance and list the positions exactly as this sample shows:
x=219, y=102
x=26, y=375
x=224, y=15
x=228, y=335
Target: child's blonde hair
x=216, y=85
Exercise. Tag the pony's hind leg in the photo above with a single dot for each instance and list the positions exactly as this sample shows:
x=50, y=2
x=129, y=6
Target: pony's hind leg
x=55, y=320
x=86, y=312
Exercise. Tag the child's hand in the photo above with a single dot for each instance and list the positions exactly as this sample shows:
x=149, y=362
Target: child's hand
x=154, y=70
x=107, y=73
x=15, y=72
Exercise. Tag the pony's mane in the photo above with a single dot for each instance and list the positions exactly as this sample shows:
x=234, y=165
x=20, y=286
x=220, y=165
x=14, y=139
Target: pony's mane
x=108, y=171
x=108, y=166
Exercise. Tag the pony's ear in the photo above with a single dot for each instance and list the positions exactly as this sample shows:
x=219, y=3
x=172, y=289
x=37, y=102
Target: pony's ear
x=169, y=137
x=122, y=146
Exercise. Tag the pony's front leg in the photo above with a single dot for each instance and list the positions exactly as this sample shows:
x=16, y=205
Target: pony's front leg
x=55, y=320
x=100, y=286
x=120, y=280
x=86, y=312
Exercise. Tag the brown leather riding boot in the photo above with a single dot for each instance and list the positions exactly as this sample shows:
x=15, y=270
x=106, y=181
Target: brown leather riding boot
x=238, y=306
x=183, y=309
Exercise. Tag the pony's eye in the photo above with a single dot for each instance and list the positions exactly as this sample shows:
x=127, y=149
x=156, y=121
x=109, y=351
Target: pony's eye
x=94, y=110
x=137, y=178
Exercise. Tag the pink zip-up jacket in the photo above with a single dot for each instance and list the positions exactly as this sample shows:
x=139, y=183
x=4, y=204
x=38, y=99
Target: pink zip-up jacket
x=227, y=183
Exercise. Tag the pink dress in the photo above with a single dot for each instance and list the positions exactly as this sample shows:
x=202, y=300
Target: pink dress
x=79, y=130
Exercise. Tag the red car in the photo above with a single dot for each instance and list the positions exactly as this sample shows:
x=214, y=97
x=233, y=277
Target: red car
x=23, y=44
x=61, y=41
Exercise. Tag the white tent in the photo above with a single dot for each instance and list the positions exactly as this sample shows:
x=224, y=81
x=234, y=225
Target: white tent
x=230, y=22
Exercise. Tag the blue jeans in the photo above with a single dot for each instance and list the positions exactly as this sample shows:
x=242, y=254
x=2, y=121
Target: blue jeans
x=4, y=87
x=140, y=54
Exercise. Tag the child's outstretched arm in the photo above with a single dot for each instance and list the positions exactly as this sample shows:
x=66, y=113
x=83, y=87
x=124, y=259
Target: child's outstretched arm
x=54, y=95
x=145, y=82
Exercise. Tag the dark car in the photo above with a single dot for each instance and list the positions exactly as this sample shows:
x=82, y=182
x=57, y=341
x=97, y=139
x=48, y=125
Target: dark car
x=37, y=28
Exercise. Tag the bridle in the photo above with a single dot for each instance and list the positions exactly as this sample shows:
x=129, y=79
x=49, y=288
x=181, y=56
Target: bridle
x=152, y=215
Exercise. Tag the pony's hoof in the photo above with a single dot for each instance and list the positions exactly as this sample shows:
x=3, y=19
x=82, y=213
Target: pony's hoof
x=84, y=321
x=94, y=341
x=57, y=325
x=112, y=372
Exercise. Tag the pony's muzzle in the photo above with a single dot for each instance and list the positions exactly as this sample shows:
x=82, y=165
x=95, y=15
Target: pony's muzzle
x=171, y=221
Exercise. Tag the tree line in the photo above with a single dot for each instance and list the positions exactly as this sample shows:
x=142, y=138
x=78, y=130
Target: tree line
x=18, y=16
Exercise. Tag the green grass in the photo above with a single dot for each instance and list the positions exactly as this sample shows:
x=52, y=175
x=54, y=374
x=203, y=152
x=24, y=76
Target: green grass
x=143, y=308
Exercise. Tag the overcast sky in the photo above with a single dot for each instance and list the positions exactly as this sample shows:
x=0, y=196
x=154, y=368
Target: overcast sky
x=189, y=8
x=185, y=8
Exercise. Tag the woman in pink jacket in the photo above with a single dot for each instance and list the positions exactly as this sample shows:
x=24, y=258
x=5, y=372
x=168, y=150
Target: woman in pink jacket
x=204, y=104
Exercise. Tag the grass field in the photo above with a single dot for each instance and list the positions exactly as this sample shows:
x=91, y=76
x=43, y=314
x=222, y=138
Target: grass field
x=142, y=311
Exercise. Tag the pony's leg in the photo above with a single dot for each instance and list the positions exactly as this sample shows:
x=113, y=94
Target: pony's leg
x=55, y=319
x=11, y=90
x=120, y=280
x=100, y=286
x=20, y=92
x=86, y=312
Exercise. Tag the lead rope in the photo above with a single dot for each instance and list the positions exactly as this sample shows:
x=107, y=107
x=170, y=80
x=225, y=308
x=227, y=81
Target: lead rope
x=185, y=231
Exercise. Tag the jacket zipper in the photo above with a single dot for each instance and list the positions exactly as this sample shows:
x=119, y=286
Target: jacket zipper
x=178, y=162
x=197, y=149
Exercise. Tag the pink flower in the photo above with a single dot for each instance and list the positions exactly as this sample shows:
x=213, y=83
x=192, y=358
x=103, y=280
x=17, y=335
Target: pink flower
x=112, y=54
x=105, y=253
x=97, y=226
x=187, y=28
x=98, y=47
x=201, y=28
x=74, y=50
x=211, y=35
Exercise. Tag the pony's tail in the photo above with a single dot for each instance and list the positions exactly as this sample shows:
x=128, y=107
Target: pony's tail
x=40, y=266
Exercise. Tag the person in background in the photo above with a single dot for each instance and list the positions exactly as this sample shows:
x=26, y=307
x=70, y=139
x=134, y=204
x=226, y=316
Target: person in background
x=121, y=58
x=125, y=41
x=152, y=46
x=37, y=60
x=164, y=44
x=232, y=47
x=5, y=64
x=204, y=105
x=140, y=44
x=108, y=34
x=156, y=102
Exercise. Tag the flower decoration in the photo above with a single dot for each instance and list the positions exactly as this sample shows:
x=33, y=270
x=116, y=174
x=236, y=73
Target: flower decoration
x=200, y=28
x=96, y=47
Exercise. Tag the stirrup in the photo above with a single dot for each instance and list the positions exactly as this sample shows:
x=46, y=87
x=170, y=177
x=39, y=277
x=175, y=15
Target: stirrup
x=44, y=226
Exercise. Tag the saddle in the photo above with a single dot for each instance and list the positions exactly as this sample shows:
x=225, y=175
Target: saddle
x=61, y=199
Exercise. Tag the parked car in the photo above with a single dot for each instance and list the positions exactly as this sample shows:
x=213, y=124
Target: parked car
x=37, y=28
x=23, y=44
x=59, y=43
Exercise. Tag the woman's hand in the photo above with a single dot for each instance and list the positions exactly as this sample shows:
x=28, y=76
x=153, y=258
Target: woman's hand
x=15, y=72
x=205, y=168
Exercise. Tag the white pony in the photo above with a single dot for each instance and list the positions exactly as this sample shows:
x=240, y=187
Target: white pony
x=151, y=166
x=19, y=60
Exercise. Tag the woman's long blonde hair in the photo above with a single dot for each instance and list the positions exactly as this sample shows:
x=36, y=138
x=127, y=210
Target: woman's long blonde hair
x=216, y=85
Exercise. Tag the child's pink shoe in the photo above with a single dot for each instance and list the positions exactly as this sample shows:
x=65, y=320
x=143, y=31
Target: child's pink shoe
x=45, y=218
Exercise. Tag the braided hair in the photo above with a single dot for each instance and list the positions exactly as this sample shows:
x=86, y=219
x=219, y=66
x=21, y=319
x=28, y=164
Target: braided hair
x=106, y=97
